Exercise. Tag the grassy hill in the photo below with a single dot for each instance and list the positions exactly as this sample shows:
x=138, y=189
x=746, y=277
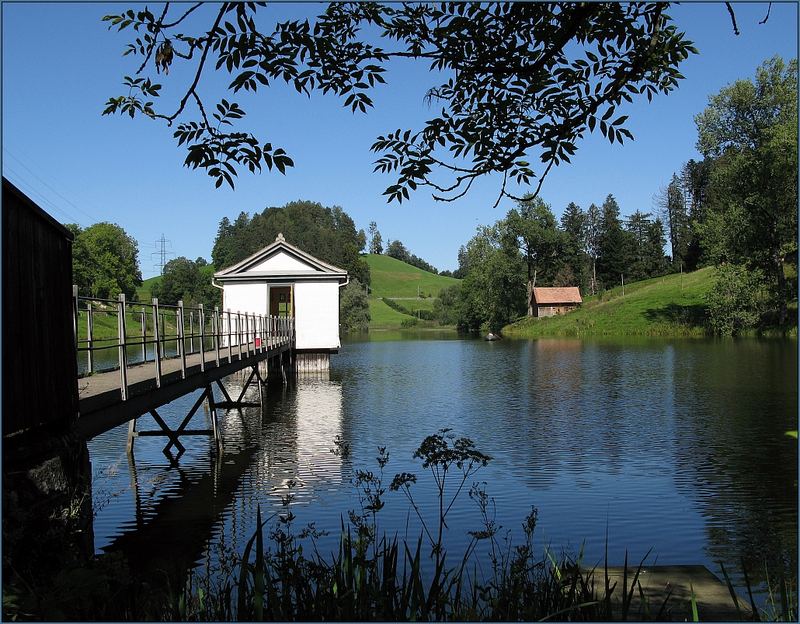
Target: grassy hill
x=672, y=305
x=394, y=279
x=144, y=292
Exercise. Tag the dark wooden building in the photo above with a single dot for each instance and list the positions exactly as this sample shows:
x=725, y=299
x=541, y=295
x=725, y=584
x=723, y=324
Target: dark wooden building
x=552, y=301
x=39, y=355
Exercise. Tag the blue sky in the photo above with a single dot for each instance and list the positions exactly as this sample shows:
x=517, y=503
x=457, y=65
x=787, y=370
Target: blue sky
x=60, y=64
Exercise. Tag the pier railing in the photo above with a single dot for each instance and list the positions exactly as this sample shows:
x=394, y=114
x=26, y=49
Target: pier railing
x=115, y=334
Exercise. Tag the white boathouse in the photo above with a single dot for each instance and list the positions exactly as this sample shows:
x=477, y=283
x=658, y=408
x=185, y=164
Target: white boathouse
x=282, y=280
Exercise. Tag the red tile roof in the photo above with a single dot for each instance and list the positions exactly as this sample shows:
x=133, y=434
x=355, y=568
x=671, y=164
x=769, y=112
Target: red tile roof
x=567, y=294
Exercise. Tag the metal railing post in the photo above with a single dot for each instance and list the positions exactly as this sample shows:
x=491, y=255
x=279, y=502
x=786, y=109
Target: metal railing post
x=239, y=332
x=89, y=338
x=144, y=335
x=230, y=342
x=123, y=357
x=157, y=353
x=201, y=319
x=181, y=345
x=191, y=331
x=217, y=332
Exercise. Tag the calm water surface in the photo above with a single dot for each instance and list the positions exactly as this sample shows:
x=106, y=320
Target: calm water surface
x=674, y=445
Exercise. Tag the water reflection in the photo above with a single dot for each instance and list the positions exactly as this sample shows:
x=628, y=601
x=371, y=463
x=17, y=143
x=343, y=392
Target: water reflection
x=670, y=444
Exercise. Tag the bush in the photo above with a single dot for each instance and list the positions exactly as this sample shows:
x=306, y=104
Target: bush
x=409, y=322
x=354, y=308
x=736, y=300
x=396, y=306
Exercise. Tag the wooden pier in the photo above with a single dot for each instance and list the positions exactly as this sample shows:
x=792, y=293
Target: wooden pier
x=179, y=350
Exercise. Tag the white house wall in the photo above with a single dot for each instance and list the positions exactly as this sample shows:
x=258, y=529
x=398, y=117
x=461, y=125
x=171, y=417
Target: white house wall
x=316, y=306
x=250, y=298
x=279, y=263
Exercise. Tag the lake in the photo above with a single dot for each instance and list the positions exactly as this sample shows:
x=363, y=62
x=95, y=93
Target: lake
x=677, y=446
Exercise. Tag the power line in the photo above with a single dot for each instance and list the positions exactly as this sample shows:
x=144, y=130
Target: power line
x=33, y=173
x=34, y=193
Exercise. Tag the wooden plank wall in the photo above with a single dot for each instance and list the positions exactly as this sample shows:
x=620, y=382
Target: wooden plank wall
x=39, y=355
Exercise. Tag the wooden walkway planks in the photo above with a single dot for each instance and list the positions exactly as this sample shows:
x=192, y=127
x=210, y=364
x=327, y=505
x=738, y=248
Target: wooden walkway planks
x=100, y=401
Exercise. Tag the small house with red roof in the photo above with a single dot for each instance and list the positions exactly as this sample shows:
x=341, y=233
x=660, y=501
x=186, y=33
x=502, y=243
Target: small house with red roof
x=555, y=300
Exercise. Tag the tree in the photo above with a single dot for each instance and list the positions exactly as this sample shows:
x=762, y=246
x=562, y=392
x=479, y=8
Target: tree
x=734, y=302
x=105, y=261
x=573, y=223
x=377, y=244
x=463, y=263
x=655, y=263
x=535, y=233
x=183, y=280
x=327, y=233
x=445, y=306
x=750, y=130
x=361, y=240
x=615, y=248
x=521, y=81
x=695, y=181
x=492, y=292
x=354, y=308
x=638, y=226
x=594, y=220
x=397, y=250
x=375, y=240
x=672, y=204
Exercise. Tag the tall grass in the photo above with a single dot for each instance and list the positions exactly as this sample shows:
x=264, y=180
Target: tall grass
x=281, y=574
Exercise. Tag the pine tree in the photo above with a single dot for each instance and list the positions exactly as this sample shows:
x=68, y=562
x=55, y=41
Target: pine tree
x=593, y=229
x=573, y=223
x=616, y=245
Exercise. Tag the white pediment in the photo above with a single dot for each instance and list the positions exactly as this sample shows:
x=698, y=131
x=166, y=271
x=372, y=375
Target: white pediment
x=281, y=262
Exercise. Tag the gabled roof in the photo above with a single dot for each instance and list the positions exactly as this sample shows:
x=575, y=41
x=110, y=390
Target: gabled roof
x=316, y=267
x=566, y=294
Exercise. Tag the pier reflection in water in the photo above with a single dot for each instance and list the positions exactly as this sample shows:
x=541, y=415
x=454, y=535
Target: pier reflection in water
x=171, y=516
x=678, y=445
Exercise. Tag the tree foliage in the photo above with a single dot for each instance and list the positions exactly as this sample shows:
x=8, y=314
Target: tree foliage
x=354, y=308
x=735, y=302
x=502, y=263
x=672, y=204
x=375, y=239
x=492, y=293
x=397, y=250
x=105, y=261
x=520, y=82
x=327, y=233
x=183, y=280
x=615, y=245
x=749, y=130
x=533, y=230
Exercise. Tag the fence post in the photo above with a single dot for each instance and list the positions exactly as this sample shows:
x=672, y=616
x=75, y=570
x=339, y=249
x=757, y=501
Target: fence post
x=181, y=345
x=201, y=319
x=239, y=332
x=217, y=332
x=163, y=333
x=123, y=356
x=191, y=332
x=230, y=343
x=144, y=335
x=157, y=353
x=89, y=337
